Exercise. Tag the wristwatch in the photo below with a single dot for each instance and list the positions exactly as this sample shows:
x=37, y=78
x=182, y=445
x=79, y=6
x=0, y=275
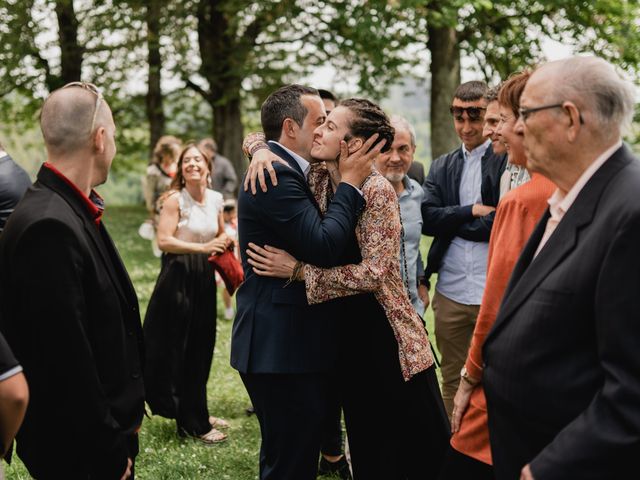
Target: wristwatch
x=464, y=375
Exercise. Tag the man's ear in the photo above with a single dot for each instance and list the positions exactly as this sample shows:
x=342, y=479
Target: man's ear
x=354, y=145
x=289, y=128
x=574, y=120
x=98, y=139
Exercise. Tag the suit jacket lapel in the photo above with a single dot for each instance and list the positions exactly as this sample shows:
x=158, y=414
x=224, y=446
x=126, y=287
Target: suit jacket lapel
x=50, y=179
x=282, y=153
x=529, y=272
x=455, y=172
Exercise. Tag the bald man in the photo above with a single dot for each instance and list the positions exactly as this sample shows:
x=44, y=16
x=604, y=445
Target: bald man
x=68, y=308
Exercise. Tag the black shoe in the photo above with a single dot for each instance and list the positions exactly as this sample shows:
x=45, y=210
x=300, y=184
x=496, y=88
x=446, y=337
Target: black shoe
x=249, y=411
x=338, y=469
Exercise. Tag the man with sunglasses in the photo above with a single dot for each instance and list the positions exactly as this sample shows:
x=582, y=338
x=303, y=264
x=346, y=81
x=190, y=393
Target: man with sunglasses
x=461, y=193
x=68, y=308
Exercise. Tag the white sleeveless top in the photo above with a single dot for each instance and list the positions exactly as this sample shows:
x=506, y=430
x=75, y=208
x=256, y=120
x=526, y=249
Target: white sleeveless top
x=198, y=223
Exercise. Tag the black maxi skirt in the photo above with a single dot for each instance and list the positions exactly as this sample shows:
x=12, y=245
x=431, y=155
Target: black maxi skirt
x=397, y=430
x=180, y=335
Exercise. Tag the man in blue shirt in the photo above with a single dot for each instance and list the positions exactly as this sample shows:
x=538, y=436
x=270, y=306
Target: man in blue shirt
x=461, y=193
x=394, y=166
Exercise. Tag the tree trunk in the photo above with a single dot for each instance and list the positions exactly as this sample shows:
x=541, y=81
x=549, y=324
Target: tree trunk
x=445, y=78
x=71, y=52
x=229, y=132
x=155, y=112
x=221, y=55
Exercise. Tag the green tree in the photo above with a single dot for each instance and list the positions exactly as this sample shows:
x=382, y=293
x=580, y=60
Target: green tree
x=506, y=36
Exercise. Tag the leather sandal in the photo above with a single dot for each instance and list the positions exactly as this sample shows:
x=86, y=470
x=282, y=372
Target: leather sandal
x=216, y=422
x=211, y=437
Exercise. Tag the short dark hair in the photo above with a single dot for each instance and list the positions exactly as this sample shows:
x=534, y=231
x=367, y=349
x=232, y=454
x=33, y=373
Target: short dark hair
x=368, y=118
x=471, y=91
x=327, y=95
x=492, y=94
x=282, y=104
x=512, y=89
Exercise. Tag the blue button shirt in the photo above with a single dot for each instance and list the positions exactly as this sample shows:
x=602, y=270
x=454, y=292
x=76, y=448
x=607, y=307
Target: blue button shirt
x=463, y=273
x=410, y=200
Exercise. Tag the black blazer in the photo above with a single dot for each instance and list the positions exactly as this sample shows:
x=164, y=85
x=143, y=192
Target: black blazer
x=70, y=314
x=275, y=329
x=562, y=361
x=442, y=215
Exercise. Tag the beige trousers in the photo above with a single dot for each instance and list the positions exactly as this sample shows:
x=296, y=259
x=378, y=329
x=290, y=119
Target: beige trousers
x=454, y=324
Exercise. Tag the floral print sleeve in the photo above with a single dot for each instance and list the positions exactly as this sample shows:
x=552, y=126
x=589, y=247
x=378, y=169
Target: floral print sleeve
x=378, y=233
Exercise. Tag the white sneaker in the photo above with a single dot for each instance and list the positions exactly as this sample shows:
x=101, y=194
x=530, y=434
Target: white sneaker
x=228, y=313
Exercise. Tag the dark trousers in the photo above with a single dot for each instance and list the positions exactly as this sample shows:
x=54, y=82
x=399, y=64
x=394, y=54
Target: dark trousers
x=332, y=426
x=291, y=409
x=457, y=465
x=414, y=444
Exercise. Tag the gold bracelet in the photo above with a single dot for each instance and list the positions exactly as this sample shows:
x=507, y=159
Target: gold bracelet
x=295, y=271
x=299, y=271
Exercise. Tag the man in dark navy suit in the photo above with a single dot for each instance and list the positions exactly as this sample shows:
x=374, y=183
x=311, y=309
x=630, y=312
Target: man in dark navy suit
x=282, y=347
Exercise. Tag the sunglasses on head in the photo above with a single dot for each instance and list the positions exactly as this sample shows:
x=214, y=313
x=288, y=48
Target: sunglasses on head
x=93, y=89
x=474, y=113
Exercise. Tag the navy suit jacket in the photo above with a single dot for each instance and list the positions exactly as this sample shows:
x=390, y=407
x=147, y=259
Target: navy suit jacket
x=562, y=368
x=275, y=329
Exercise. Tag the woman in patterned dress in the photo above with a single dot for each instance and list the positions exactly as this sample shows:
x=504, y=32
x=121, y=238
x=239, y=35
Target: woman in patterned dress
x=395, y=418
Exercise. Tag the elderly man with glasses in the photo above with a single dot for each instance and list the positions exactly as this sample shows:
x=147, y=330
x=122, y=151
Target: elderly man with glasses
x=562, y=370
x=461, y=193
x=68, y=308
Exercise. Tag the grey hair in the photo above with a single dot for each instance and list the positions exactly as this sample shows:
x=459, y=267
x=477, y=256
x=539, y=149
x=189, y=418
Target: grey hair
x=492, y=94
x=401, y=123
x=595, y=82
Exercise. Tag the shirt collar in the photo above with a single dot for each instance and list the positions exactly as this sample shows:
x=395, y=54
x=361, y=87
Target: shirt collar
x=408, y=186
x=93, y=203
x=477, y=152
x=302, y=163
x=559, y=204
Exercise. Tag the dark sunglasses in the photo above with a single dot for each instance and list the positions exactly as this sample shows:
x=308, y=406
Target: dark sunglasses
x=474, y=113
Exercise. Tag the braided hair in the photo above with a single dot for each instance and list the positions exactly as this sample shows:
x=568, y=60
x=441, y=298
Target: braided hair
x=367, y=119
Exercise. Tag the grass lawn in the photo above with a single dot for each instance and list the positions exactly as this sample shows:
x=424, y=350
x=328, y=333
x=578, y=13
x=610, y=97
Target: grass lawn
x=162, y=454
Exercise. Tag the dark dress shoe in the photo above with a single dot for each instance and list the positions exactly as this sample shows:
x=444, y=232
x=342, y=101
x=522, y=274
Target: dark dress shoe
x=338, y=469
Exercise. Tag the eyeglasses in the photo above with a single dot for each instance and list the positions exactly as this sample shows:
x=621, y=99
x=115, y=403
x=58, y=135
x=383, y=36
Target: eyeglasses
x=93, y=89
x=474, y=113
x=526, y=112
